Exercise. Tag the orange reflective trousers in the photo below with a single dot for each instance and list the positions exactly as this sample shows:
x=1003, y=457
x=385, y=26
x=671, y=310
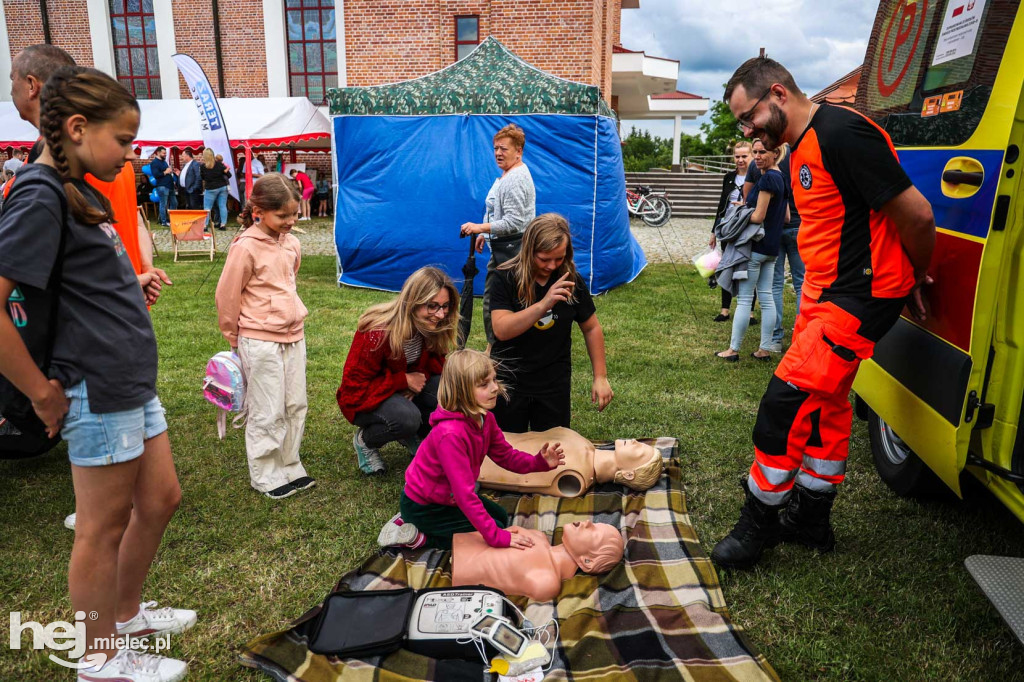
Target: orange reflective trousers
x=802, y=433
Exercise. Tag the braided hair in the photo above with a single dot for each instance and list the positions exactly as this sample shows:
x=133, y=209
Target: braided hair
x=90, y=93
x=271, y=192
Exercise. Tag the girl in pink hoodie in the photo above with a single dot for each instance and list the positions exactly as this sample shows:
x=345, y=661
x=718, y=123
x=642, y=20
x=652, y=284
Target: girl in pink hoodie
x=261, y=316
x=439, y=499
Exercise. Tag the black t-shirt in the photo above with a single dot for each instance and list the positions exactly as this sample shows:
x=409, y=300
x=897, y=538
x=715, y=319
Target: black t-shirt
x=540, y=359
x=214, y=178
x=104, y=333
x=770, y=181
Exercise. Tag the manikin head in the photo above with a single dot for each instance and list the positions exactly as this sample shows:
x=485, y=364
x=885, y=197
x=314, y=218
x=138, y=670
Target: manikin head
x=595, y=547
x=637, y=465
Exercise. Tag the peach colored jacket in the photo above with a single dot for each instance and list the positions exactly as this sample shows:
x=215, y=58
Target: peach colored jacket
x=256, y=296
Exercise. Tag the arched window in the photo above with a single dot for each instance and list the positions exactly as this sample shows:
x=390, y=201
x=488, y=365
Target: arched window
x=312, y=48
x=135, y=58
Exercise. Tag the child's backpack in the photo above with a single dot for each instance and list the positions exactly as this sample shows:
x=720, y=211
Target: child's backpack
x=224, y=386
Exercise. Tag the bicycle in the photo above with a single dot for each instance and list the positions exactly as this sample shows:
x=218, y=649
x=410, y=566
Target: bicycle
x=652, y=207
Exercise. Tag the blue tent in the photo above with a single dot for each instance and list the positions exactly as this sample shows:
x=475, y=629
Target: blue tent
x=413, y=161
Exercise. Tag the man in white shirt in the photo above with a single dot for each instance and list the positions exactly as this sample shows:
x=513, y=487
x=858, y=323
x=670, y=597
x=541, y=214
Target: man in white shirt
x=12, y=164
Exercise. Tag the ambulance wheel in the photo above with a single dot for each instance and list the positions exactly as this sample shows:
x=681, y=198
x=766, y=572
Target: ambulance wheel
x=899, y=466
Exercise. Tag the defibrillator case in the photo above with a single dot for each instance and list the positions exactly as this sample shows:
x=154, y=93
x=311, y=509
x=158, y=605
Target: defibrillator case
x=361, y=624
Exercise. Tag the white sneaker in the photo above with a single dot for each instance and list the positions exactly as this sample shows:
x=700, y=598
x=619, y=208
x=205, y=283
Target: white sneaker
x=151, y=620
x=131, y=666
x=394, y=534
x=69, y=521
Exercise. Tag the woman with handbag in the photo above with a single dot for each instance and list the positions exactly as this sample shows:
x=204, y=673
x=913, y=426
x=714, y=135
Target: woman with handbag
x=510, y=206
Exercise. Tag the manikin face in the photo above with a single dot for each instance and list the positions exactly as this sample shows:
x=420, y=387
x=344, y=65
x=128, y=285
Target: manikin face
x=584, y=541
x=432, y=313
x=631, y=454
x=486, y=392
x=506, y=154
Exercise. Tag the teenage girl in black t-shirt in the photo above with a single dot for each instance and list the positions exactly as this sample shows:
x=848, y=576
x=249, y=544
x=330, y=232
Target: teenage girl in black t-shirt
x=537, y=297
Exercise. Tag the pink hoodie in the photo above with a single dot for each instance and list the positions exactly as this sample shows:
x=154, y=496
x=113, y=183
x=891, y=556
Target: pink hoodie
x=447, y=464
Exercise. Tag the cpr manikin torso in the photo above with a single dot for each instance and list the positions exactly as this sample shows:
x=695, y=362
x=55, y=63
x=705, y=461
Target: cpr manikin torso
x=536, y=572
x=632, y=463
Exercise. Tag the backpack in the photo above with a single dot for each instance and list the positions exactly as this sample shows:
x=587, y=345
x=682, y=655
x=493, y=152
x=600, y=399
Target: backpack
x=224, y=386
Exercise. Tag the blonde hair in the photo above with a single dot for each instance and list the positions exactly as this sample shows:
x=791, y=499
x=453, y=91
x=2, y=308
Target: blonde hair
x=271, y=192
x=513, y=134
x=397, y=317
x=209, y=160
x=463, y=371
x=544, y=234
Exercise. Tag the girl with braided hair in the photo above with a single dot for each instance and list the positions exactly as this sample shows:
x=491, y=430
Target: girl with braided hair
x=101, y=390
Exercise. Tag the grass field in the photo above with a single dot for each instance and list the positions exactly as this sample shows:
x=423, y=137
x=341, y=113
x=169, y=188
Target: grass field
x=893, y=603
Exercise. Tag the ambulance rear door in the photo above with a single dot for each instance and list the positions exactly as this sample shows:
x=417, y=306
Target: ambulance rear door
x=944, y=78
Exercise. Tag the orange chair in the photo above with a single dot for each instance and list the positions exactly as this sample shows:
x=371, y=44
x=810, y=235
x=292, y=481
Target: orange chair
x=188, y=226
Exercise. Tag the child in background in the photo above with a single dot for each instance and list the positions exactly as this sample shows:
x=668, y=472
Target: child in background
x=261, y=315
x=439, y=499
x=101, y=394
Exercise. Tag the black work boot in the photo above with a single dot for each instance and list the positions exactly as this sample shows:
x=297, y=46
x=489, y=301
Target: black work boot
x=806, y=520
x=756, y=531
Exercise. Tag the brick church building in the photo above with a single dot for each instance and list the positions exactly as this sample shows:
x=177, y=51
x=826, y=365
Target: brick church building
x=300, y=48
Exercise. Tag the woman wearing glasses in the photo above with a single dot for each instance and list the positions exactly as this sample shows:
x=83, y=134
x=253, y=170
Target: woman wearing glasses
x=768, y=199
x=537, y=297
x=389, y=384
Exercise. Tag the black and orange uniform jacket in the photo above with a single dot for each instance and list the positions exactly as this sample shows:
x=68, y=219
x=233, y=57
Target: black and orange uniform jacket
x=844, y=169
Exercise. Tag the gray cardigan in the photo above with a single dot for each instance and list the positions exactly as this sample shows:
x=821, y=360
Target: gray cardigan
x=511, y=203
x=737, y=236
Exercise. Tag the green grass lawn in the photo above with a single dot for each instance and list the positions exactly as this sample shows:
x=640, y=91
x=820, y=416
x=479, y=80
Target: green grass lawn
x=893, y=603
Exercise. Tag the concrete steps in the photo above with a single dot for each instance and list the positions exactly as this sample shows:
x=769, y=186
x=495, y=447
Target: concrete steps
x=692, y=195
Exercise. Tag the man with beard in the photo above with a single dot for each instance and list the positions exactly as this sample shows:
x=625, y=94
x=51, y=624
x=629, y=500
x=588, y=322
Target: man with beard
x=866, y=240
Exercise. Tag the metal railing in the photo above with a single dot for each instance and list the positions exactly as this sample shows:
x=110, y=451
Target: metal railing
x=708, y=164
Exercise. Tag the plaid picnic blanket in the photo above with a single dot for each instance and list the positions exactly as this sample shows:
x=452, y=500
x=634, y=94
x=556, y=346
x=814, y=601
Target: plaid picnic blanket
x=659, y=615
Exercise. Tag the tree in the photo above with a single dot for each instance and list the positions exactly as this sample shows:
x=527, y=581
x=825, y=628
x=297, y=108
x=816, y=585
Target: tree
x=642, y=151
x=721, y=132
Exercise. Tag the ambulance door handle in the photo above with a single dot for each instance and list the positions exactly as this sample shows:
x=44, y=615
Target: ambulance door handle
x=959, y=177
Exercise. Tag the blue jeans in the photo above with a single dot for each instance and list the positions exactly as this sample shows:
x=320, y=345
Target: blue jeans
x=219, y=197
x=787, y=247
x=760, y=271
x=168, y=200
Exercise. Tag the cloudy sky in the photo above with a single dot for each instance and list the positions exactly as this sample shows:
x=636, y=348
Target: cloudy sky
x=818, y=41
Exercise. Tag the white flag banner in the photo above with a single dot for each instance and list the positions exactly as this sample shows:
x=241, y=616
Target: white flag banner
x=215, y=133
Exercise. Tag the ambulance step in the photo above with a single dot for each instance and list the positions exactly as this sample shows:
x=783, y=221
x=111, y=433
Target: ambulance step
x=1001, y=578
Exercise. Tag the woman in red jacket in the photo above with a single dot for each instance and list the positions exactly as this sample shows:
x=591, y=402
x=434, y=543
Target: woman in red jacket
x=389, y=384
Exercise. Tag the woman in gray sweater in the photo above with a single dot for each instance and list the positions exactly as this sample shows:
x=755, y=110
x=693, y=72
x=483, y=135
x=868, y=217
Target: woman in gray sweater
x=510, y=206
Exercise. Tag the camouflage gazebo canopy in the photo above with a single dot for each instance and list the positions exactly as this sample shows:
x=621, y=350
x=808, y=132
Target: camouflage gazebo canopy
x=490, y=80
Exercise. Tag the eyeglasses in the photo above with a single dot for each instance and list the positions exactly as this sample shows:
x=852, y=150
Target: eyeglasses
x=432, y=307
x=743, y=121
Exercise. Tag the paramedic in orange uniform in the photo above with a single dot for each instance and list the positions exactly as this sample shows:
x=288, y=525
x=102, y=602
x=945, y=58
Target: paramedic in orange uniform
x=29, y=71
x=866, y=240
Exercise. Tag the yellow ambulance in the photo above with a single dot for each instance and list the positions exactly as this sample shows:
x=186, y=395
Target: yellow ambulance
x=945, y=79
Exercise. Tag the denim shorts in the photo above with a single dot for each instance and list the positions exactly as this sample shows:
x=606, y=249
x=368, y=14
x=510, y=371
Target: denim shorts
x=102, y=439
